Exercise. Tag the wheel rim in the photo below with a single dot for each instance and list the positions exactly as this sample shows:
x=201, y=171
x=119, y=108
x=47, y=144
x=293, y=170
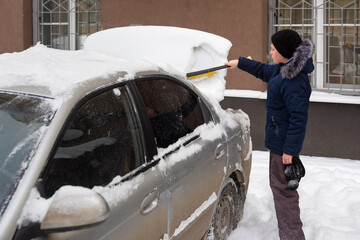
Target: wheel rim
x=224, y=214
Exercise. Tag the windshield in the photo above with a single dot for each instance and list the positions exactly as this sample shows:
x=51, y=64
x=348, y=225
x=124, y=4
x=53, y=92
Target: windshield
x=23, y=120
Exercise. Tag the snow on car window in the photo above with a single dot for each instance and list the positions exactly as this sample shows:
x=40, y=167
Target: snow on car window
x=206, y=132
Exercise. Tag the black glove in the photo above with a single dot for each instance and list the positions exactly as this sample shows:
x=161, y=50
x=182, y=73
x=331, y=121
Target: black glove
x=294, y=172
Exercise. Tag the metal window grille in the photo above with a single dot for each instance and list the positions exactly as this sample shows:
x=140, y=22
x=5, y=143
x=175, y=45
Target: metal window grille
x=65, y=24
x=334, y=27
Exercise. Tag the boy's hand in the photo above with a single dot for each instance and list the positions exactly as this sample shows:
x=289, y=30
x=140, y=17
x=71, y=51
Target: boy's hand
x=233, y=64
x=286, y=158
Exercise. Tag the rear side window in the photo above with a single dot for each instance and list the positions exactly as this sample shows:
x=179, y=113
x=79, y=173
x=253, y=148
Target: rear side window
x=103, y=141
x=173, y=110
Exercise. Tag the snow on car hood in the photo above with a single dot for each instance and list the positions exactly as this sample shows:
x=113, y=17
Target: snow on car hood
x=177, y=50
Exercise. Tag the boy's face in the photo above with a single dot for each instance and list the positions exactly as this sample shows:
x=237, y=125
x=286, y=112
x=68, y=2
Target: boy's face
x=276, y=56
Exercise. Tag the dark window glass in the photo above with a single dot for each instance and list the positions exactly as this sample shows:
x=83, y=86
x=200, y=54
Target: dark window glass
x=103, y=141
x=173, y=110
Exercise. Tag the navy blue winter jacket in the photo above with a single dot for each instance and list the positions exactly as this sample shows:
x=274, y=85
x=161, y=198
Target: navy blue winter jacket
x=288, y=96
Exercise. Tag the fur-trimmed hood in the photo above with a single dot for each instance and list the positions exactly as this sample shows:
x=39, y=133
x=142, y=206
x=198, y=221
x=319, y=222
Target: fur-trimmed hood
x=301, y=61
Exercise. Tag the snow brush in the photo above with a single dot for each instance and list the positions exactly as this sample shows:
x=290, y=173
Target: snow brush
x=204, y=73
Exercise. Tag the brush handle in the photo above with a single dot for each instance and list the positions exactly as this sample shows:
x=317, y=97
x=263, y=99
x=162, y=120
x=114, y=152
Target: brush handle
x=191, y=74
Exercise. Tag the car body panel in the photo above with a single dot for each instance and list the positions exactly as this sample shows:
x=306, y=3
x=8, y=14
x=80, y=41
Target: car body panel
x=191, y=183
x=240, y=150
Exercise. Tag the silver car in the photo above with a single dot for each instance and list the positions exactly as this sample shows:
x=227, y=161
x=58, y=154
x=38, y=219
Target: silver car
x=144, y=157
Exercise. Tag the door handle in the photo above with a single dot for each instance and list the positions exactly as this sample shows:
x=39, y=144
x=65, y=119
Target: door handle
x=219, y=151
x=150, y=202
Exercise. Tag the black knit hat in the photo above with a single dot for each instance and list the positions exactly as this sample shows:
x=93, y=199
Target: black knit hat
x=286, y=41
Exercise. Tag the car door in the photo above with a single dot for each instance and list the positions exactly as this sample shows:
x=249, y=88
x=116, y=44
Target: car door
x=193, y=153
x=103, y=149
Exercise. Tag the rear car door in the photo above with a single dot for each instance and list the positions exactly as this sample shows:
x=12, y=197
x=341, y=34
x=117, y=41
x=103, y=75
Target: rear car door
x=103, y=149
x=192, y=150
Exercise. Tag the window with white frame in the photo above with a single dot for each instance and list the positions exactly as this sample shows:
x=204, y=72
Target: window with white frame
x=65, y=24
x=334, y=27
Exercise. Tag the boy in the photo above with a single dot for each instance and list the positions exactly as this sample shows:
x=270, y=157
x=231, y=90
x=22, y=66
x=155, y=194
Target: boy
x=287, y=106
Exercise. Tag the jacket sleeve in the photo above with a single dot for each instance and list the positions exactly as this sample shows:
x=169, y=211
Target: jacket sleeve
x=260, y=70
x=296, y=95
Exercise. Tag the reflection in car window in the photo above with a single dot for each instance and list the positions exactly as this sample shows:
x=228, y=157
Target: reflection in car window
x=23, y=120
x=173, y=110
x=102, y=142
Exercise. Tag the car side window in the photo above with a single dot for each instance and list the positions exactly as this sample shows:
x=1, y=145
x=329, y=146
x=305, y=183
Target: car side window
x=103, y=141
x=173, y=110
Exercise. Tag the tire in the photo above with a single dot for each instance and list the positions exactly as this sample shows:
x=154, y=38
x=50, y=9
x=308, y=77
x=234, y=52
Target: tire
x=228, y=211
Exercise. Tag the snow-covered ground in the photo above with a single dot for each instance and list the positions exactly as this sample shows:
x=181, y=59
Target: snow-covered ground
x=316, y=96
x=329, y=200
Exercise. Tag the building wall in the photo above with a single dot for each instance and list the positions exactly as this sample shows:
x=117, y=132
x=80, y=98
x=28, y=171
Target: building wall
x=243, y=22
x=15, y=25
x=333, y=129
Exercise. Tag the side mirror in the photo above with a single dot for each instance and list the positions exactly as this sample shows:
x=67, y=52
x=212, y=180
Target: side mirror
x=74, y=208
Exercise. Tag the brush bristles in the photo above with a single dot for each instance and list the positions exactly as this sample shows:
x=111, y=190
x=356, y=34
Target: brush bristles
x=200, y=76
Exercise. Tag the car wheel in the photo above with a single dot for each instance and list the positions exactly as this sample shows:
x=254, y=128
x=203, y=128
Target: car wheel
x=228, y=212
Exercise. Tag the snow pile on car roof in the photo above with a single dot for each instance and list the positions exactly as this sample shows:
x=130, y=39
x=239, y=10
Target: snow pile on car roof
x=176, y=50
x=43, y=70
x=46, y=71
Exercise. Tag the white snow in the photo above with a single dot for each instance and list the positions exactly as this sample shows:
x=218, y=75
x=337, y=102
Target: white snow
x=247, y=158
x=206, y=132
x=316, y=96
x=245, y=93
x=183, y=49
x=35, y=208
x=126, y=49
x=59, y=71
x=176, y=50
x=69, y=198
x=329, y=200
x=114, y=194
